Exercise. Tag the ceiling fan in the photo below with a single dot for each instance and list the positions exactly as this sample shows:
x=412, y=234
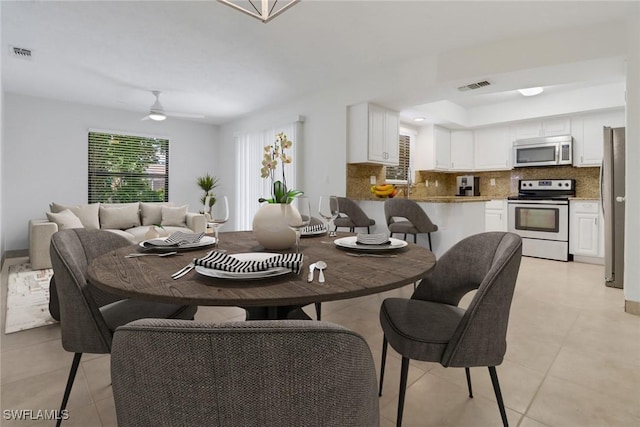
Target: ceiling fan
x=157, y=112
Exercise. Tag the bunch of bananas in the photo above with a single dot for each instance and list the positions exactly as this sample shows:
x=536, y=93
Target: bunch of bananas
x=384, y=190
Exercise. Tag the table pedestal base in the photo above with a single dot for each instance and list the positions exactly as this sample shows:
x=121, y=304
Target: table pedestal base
x=276, y=313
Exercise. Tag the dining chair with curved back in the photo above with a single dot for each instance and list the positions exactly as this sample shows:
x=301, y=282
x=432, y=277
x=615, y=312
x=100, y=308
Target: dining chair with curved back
x=431, y=327
x=260, y=373
x=88, y=315
x=352, y=216
x=414, y=219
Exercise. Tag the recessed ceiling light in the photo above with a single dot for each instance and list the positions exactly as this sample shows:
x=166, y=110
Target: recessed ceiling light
x=531, y=91
x=419, y=119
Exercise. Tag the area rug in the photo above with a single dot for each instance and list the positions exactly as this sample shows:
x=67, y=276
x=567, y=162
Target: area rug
x=27, y=298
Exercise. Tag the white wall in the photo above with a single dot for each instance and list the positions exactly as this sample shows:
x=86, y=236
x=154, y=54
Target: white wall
x=45, y=157
x=632, y=225
x=323, y=149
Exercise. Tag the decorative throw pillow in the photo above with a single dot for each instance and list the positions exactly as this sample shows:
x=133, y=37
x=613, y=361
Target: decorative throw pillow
x=88, y=214
x=65, y=219
x=120, y=218
x=151, y=212
x=174, y=216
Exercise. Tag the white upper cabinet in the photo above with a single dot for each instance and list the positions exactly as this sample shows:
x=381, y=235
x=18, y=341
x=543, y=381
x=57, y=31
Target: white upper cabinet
x=538, y=128
x=373, y=133
x=461, y=150
x=588, y=136
x=432, y=148
x=492, y=148
x=442, y=140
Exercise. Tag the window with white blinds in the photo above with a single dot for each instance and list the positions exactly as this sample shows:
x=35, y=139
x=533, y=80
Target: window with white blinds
x=250, y=186
x=128, y=168
x=400, y=172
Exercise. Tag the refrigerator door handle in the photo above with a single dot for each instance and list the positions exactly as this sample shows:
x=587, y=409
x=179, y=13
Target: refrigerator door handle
x=601, y=183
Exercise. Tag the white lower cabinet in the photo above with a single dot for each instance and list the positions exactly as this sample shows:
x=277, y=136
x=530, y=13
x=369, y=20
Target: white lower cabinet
x=585, y=229
x=495, y=215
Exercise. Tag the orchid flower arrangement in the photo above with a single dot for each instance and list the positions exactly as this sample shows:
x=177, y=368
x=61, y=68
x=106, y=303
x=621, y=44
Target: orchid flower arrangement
x=272, y=154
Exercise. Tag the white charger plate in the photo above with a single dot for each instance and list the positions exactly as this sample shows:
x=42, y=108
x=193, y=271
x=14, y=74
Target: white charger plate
x=250, y=256
x=203, y=243
x=350, y=243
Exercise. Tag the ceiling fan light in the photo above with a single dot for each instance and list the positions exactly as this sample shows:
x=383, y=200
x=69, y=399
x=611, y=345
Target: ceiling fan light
x=157, y=116
x=531, y=91
x=267, y=10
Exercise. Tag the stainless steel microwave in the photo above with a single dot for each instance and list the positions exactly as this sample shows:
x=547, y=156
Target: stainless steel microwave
x=547, y=151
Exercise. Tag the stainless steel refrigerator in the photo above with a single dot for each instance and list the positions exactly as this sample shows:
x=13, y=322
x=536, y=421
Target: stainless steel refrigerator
x=612, y=193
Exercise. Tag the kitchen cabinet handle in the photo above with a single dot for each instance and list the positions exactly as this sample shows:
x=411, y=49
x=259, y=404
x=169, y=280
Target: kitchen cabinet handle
x=595, y=221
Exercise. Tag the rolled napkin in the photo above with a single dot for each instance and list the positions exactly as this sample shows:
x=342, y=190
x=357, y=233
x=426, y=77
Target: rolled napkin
x=314, y=228
x=176, y=239
x=223, y=262
x=373, y=239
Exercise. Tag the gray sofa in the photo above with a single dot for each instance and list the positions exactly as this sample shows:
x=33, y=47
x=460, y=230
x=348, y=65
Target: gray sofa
x=131, y=220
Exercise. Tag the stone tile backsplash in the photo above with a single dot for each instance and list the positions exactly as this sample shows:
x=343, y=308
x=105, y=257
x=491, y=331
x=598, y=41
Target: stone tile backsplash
x=430, y=184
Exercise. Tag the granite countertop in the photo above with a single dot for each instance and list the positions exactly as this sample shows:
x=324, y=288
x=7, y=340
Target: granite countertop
x=443, y=199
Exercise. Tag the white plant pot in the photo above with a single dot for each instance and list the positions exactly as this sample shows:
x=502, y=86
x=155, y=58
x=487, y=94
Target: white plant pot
x=270, y=226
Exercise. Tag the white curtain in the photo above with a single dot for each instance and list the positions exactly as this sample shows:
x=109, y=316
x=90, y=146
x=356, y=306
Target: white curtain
x=249, y=154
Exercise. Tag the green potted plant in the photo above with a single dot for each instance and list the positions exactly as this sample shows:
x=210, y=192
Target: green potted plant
x=207, y=183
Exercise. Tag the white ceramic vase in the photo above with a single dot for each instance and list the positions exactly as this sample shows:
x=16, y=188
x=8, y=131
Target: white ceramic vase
x=151, y=233
x=270, y=226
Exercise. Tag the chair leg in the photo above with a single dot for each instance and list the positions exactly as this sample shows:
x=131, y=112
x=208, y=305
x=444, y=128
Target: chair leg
x=405, y=236
x=403, y=388
x=383, y=362
x=318, y=311
x=368, y=230
x=352, y=229
x=496, y=389
x=67, y=391
x=415, y=238
x=466, y=370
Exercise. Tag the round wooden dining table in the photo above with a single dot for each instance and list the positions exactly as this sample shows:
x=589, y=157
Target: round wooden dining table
x=349, y=274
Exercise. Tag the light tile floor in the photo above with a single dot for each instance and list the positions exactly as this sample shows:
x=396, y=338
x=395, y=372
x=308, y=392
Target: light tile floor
x=573, y=359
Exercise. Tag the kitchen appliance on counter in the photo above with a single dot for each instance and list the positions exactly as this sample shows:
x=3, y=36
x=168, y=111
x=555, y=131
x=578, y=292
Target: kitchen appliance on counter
x=547, y=151
x=468, y=185
x=540, y=215
x=612, y=194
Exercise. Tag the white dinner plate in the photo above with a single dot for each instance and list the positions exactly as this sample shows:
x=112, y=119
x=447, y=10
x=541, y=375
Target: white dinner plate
x=350, y=243
x=250, y=256
x=203, y=243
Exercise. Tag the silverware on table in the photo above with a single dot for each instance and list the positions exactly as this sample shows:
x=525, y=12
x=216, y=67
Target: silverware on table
x=310, y=276
x=371, y=255
x=321, y=265
x=183, y=271
x=138, y=254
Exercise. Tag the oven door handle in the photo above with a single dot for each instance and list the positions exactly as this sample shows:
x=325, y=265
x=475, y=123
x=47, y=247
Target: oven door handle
x=538, y=202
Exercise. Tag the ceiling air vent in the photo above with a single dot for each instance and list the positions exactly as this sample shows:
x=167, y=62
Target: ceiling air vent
x=21, y=52
x=474, y=86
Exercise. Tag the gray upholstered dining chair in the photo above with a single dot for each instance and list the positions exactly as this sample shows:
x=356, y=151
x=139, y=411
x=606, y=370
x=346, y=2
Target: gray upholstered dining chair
x=89, y=316
x=259, y=373
x=431, y=327
x=414, y=219
x=352, y=216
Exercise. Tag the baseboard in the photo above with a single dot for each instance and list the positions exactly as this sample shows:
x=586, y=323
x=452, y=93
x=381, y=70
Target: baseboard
x=632, y=307
x=588, y=259
x=13, y=254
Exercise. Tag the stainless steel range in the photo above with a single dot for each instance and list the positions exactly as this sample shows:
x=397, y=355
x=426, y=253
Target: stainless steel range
x=540, y=215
